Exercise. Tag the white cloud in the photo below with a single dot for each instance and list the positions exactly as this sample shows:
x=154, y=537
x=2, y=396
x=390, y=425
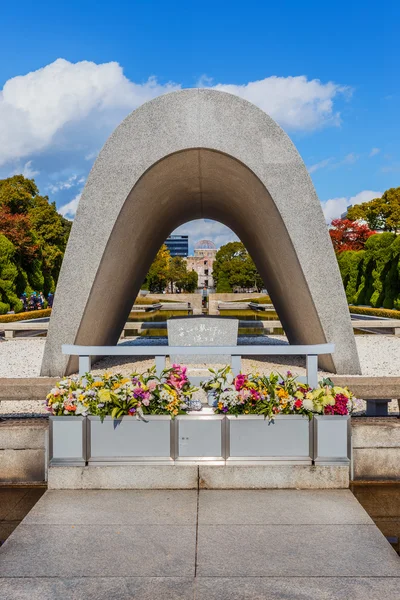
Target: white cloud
x=65, y=185
x=71, y=105
x=374, y=152
x=295, y=102
x=62, y=114
x=393, y=168
x=334, y=207
x=91, y=155
x=69, y=210
x=37, y=106
x=320, y=165
x=349, y=159
x=205, y=229
x=331, y=163
x=28, y=171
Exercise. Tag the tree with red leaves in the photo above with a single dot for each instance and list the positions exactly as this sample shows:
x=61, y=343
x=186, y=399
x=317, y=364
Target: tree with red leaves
x=349, y=235
x=35, y=236
x=17, y=228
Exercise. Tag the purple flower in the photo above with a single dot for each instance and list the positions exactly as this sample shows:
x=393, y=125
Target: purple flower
x=132, y=411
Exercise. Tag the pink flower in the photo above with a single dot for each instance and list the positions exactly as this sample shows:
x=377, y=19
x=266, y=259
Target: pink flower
x=240, y=380
x=152, y=385
x=340, y=406
x=177, y=377
x=244, y=394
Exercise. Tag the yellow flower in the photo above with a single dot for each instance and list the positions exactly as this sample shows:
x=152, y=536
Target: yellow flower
x=81, y=397
x=340, y=390
x=125, y=380
x=97, y=384
x=282, y=393
x=299, y=395
x=104, y=395
x=327, y=399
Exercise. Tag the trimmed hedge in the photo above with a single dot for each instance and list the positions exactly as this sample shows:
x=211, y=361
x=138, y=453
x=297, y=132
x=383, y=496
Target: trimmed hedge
x=375, y=312
x=372, y=276
x=23, y=316
x=142, y=300
x=258, y=300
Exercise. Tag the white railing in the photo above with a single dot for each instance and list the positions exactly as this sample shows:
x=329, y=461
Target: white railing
x=311, y=352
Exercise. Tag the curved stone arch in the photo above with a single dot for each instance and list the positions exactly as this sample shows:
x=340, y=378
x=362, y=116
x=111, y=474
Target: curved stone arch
x=187, y=155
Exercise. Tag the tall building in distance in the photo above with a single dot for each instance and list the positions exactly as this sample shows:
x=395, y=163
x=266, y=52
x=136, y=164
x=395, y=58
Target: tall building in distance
x=202, y=262
x=178, y=245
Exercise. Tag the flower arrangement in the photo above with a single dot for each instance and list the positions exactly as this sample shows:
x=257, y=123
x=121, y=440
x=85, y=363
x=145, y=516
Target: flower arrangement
x=287, y=396
x=329, y=399
x=274, y=394
x=118, y=396
x=253, y=394
x=171, y=394
x=67, y=398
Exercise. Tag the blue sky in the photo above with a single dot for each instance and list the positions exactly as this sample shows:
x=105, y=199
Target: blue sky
x=329, y=74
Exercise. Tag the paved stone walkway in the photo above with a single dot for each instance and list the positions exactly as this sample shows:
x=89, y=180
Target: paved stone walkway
x=212, y=544
x=15, y=503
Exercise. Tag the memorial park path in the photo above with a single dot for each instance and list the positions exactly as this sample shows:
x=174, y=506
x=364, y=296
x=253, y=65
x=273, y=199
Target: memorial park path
x=198, y=545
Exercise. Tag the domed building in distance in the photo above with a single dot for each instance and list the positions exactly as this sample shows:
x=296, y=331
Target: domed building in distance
x=202, y=262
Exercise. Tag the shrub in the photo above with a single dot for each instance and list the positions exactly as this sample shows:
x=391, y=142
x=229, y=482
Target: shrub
x=32, y=314
x=259, y=300
x=4, y=308
x=376, y=312
x=372, y=276
x=349, y=264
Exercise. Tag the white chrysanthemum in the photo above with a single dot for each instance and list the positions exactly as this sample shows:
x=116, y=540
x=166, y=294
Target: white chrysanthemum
x=308, y=404
x=230, y=398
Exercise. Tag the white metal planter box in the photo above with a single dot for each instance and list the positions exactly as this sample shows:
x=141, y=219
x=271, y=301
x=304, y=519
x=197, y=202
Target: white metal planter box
x=130, y=439
x=288, y=438
x=200, y=437
x=67, y=441
x=332, y=439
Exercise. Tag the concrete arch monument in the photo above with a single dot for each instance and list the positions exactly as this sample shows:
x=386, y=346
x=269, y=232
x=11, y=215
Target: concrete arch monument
x=187, y=155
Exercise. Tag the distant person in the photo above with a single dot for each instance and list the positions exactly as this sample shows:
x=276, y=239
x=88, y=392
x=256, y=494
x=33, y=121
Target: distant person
x=41, y=301
x=24, y=301
x=50, y=298
x=33, y=301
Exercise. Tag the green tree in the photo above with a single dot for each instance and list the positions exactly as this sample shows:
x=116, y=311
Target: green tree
x=8, y=277
x=177, y=272
x=157, y=277
x=37, y=231
x=190, y=282
x=379, y=213
x=222, y=285
x=233, y=267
